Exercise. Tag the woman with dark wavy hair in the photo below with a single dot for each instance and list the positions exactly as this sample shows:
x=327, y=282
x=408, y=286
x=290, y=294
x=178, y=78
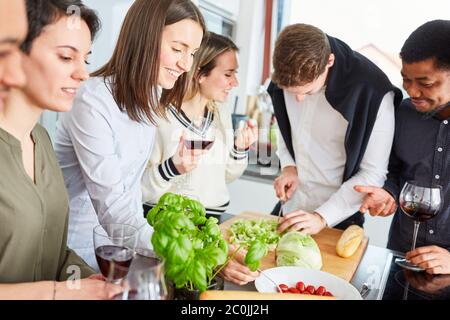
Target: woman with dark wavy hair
x=35, y=261
x=104, y=144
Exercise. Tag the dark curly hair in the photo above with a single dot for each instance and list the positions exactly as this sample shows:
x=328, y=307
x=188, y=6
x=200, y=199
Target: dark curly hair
x=430, y=41
x=44, y=12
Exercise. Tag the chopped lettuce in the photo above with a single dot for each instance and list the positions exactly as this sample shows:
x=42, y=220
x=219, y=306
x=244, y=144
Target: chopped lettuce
x=298, y=249
x=245, y=232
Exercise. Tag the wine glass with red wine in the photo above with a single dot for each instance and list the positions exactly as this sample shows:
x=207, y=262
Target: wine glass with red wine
x=199, y=135
x=419, y=202
x=114, y=246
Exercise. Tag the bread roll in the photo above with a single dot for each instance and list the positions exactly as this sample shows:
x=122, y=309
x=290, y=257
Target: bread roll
x=349, y=241
x=254, y=295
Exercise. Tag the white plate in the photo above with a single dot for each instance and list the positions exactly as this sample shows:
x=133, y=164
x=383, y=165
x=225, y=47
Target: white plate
x=340, y=288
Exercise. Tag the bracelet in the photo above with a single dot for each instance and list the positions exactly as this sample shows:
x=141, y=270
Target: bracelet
x=54, y=290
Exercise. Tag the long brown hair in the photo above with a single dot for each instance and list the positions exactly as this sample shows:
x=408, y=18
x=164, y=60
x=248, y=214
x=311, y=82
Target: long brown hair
x=134, y=65
x=206, y=60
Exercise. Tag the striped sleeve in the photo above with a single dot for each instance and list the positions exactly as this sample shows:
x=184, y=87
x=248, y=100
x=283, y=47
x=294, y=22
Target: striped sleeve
x=238, y=154
x=167, y=170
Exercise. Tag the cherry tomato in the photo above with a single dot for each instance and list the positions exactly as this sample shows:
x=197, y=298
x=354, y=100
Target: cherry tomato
x=310, y=289
x=300, y=286
x=293, y=290
x=328, y=294
x=320, y=291
x=283, y=287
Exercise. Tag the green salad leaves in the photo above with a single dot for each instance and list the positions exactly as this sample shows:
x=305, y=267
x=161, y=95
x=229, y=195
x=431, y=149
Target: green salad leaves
x=298, y=249
x=191, y=244
x=258, y=236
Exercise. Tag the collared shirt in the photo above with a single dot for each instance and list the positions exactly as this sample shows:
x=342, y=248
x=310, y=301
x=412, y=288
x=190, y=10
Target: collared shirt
x=421, y=151
x=34, y=215
x=318, y=136
x=103, y=154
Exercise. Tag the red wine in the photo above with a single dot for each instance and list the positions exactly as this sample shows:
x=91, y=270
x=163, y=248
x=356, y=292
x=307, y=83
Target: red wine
x=198, y=144
x=417, y=212
x=119, y=256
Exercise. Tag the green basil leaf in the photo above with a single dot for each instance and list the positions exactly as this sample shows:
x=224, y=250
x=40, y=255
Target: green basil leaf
x=211, y=229
x=160, y=242
x=199, y=220
x=179, y=221
x=178, y=250
x=255, y=253
x=198, y=273
x=212, y=257
x=223, y=245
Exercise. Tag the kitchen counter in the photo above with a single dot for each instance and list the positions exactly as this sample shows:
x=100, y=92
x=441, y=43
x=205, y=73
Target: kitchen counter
x=259, y=173
x=386, y=280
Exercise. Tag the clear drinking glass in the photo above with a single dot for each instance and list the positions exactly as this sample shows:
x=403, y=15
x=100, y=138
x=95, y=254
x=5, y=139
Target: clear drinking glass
x=114, y=246
x=145, y=279
x=420, y=202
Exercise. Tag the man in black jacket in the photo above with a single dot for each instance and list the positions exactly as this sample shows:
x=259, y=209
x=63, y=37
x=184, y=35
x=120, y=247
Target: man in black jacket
x=421, y=149
x=335, y=111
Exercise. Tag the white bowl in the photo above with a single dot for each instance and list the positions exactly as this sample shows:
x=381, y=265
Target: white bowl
x=340, y=288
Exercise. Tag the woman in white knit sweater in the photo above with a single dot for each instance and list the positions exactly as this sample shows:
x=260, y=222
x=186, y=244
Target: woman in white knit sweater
x=203, y=174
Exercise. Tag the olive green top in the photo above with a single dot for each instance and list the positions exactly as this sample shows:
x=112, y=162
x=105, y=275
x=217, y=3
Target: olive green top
x=34, y=216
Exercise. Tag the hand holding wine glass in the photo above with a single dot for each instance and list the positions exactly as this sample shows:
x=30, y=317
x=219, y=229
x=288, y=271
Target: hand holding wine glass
x=196, y=141
x=434, y=259
x=114, y=249
x=185, y=159
x=419, y=202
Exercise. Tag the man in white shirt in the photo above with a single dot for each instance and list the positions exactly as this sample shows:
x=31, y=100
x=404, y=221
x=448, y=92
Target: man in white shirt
x=335, y=110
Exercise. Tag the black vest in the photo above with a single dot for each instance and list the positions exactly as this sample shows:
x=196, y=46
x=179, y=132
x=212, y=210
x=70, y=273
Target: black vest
x=355, y=88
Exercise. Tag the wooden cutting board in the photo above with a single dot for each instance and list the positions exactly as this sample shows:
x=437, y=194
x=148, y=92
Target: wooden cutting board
x=326, y=239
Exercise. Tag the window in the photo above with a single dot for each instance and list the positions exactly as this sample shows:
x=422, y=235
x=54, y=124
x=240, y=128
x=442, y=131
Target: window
x=376, y=29
x=218, y=20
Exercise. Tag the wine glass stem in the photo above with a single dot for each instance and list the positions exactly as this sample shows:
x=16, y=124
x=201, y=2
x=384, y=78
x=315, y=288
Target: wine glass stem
x=416, y=230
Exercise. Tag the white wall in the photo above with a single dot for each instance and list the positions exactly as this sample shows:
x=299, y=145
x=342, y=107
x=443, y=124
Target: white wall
x=385, y=23
x=250, y=40
x=247, y=195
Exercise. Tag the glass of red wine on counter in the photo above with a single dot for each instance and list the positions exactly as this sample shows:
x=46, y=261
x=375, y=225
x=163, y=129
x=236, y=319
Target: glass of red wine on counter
x=420, y=202
x=114, y=249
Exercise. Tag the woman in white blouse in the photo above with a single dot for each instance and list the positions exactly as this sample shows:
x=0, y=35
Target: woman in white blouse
x=104, y=143
x=213, y=76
